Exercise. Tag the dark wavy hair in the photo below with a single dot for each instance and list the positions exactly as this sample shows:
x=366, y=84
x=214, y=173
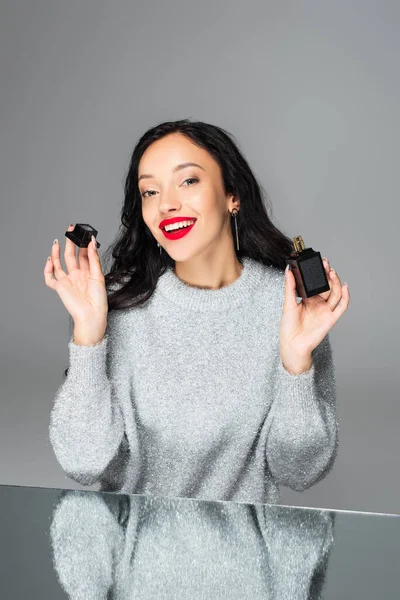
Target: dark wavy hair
x=134, y=257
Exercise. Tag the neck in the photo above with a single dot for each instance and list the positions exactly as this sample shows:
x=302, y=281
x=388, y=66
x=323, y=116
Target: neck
x=211, y=274
x=212, y=300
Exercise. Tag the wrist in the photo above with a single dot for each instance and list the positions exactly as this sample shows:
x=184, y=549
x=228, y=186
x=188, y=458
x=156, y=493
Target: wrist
x=296, y=365
x=85, y=336
x=79, y=340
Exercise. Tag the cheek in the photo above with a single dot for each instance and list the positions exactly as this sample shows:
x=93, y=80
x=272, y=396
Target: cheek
x=146, y=215
x=205, y=202
x=147, y=208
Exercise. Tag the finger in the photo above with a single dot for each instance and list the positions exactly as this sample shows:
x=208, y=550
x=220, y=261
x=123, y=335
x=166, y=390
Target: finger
x=290, y=293
x=327, y=269
x=83, y=259
x=59, y=273
x=48, y=274
x=336, y=290
x=343, y=303
x=69, y=253
x=95, y=267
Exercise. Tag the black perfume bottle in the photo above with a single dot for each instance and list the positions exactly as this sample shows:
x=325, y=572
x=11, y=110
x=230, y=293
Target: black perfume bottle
x=308, y=269
x=81, y=235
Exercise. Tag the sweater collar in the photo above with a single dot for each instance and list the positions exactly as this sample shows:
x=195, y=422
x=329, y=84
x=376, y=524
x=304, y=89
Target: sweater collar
x=242, y=289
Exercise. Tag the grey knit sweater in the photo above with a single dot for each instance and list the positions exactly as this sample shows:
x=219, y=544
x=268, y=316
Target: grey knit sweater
x=187, y=396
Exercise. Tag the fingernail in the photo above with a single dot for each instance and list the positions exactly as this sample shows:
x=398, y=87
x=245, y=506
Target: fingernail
x=94, y=242
x=55, y=241
x=71, y=225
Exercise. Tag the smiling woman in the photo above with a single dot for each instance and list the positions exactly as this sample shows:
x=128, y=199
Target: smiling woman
x=186, y=394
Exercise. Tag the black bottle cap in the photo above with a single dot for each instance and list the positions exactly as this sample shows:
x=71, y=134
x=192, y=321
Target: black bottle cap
x=81, y=235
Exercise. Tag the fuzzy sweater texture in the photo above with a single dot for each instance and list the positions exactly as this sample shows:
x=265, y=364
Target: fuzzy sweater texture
x=109, y=546
x=187, y=396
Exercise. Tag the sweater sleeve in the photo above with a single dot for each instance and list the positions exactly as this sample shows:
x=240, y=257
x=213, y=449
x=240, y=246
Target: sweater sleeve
x=86, y=422
x=86, y=540
x=302, y=430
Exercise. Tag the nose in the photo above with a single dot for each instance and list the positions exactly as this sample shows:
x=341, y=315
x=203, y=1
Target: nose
x=169, y=202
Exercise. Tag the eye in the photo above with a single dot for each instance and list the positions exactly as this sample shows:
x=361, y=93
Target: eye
x=143, y=195
x=189, y=179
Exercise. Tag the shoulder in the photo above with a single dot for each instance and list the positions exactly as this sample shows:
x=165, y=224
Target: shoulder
x=121, y=323
x=272, y=276
x=268, y=291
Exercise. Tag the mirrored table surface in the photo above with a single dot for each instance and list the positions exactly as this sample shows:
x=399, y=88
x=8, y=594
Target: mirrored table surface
x=80, y=544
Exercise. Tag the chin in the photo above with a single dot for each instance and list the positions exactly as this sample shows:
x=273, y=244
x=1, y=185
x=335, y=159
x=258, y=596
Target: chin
x=184, y=256
x=180, y=256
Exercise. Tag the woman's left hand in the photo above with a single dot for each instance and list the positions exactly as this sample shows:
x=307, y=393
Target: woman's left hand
x=304, y=325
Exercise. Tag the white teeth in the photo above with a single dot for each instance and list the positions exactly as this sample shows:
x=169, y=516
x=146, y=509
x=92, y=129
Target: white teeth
x=178, y=225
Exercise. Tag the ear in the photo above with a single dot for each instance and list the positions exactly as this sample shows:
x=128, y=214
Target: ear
x=234, y=202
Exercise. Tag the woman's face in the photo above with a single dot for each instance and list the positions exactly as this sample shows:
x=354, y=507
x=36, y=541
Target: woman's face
x=192, y=192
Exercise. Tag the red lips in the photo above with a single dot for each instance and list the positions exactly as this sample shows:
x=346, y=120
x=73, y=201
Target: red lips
x=175, y=220
x=178, y=233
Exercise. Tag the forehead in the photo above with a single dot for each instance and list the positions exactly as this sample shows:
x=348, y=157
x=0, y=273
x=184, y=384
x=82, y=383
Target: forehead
x=173, y=149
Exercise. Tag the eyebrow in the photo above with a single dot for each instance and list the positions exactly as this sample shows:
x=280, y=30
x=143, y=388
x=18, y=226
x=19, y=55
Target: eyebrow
x=177, y=168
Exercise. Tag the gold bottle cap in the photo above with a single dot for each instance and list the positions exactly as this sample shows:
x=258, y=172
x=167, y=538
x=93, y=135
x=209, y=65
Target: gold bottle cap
x=298, y=243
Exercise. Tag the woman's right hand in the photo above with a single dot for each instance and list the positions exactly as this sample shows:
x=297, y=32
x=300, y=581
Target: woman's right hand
x=82, y=291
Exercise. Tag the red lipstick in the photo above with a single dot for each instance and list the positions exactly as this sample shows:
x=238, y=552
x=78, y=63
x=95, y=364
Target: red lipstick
x=179, y=233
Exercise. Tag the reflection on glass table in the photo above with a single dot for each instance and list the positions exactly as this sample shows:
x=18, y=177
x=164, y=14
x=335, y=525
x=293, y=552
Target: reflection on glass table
x=91, y=545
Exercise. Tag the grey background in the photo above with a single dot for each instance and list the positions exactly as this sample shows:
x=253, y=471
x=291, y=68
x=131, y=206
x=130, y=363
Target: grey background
x=311, y=92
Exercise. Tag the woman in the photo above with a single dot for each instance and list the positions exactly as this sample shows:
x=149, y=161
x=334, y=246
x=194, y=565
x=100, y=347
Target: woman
x=193, y=370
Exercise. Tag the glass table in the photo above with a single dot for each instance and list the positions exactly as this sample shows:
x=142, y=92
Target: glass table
x=60, y=543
